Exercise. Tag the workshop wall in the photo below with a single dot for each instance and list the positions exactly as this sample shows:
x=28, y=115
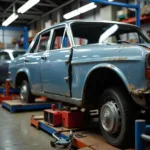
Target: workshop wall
x=10, y=38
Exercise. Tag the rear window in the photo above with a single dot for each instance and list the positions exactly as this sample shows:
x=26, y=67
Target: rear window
x=17, y=54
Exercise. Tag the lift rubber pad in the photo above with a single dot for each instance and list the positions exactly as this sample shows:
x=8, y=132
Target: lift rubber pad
x=17, y=106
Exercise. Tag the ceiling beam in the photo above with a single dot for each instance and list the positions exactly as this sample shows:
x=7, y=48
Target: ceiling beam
x=51, y=2
x=37, y=10
x=29, y=12
x=39, y=4
x=51, y=11
x=8, y=7
x=6, y=0
x=24, y=16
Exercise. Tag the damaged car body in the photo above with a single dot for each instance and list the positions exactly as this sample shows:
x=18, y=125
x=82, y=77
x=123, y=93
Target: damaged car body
x=95, y=65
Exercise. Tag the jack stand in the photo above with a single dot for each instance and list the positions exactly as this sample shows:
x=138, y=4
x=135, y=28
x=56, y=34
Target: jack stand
x=61, y=141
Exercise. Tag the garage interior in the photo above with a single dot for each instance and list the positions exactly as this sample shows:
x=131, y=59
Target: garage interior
x=48, y=123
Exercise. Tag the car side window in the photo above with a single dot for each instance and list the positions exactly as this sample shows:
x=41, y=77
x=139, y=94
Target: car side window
x=43, y=42
x=4, y=56
x=57, y=38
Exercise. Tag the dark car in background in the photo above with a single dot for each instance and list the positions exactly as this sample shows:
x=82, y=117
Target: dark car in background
x=5, y=58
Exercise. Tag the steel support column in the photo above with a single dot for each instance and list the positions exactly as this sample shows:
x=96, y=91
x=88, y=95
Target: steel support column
x=136, y=7
x=25, y=38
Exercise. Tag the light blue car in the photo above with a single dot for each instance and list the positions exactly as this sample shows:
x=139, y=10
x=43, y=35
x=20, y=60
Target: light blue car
x=95, y=65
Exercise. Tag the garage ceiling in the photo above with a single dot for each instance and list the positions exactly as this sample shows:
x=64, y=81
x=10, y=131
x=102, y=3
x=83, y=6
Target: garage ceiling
x=44, y=7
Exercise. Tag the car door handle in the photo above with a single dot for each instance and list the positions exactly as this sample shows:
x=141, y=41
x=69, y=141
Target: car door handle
x=26, y=60
x=43, y=57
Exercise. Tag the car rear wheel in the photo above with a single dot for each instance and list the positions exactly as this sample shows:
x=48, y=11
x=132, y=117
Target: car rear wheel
x=25, y=93
x=117, y=117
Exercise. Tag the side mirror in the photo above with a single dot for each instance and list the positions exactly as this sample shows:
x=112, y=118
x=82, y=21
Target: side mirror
x=108, y=33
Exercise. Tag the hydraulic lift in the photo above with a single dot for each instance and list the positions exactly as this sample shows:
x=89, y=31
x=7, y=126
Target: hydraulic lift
x=82, y=139
x=10, y=100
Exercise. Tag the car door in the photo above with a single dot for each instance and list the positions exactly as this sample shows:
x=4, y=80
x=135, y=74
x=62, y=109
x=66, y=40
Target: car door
x=54, y=65
x=33, y=61
x=5, y=61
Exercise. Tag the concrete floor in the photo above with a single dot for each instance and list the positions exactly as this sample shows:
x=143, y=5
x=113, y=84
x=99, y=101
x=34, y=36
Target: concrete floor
x=17, y=134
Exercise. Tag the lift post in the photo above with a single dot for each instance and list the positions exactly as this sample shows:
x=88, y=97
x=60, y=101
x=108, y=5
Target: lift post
x=136, y=7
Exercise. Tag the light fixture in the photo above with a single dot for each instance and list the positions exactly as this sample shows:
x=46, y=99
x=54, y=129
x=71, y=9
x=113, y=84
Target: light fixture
x=72, y=14
x=80, y=10
x=10, y=19
x=27, y=6
x=87, y=7
x=110, y=0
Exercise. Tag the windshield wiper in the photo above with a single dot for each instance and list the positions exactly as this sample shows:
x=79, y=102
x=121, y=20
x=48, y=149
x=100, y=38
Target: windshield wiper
x=122, y=41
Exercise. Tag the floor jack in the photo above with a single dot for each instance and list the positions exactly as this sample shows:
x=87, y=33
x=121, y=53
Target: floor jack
x=59, y=141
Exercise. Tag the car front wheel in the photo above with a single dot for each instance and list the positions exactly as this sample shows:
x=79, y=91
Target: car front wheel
x=25, y=93
x=117, y=117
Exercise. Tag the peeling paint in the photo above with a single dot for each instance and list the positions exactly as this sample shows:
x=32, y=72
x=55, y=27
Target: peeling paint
x=135, y=91
x=116, y=59
x=131, y=87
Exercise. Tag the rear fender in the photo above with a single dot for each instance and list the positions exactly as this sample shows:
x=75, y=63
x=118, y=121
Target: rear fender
x=111, y=67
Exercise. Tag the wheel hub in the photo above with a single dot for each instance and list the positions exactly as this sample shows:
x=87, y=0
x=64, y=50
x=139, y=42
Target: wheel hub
x=110, y=117
x=23, y=92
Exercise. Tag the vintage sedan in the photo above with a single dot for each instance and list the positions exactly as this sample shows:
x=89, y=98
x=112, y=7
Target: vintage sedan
x=5, y=59
x=95, y=65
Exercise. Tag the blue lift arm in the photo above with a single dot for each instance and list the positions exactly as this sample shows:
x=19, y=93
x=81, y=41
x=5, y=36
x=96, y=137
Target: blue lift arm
x=137, y=7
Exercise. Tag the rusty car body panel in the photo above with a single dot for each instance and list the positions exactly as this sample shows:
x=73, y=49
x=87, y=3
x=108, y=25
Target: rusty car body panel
x=126, y=60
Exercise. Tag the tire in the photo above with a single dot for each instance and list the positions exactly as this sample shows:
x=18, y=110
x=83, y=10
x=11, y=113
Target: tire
x=117, y=115
x=25, y=93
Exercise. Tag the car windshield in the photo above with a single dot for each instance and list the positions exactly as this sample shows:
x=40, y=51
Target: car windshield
x=17, y=54
x=100, y=32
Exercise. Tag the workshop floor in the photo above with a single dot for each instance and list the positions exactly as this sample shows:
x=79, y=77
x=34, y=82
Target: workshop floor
x=17, y=134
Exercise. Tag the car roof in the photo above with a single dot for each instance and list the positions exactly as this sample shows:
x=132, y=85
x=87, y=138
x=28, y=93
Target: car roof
x=88, y=21
x=11, y=50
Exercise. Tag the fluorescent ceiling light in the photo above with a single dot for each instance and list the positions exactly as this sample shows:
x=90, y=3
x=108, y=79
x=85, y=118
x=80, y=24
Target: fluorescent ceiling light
x=27, y=6
x=80, y=10
x=110, y=0
x=10, y=19
x=72, y=14
x=87, y=8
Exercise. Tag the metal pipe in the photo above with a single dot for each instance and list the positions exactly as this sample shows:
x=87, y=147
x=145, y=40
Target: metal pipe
x=11, y=28
x=115, y=3
x=137, y=7
x=138, y=16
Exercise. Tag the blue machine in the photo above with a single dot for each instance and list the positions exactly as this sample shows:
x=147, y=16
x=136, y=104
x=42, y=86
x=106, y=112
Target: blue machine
x=137, y=7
